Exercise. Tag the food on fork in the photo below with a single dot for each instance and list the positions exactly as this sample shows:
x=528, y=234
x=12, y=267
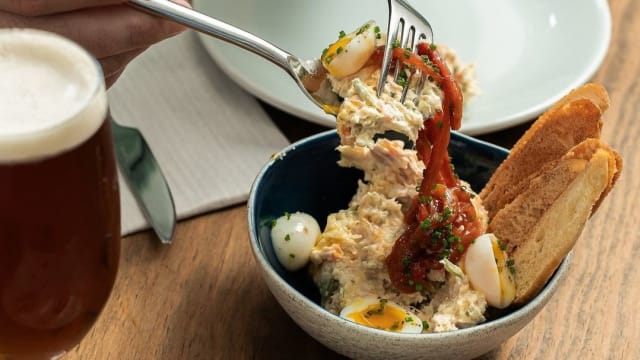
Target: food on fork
x=358, y=55
x=417, y=250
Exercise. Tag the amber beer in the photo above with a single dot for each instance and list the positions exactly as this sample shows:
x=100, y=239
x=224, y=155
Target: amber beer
x=59, y=199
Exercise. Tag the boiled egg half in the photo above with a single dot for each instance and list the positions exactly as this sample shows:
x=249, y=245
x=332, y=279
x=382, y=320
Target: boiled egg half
x=489, y=271
x=293, y=237
x=347, y=55
x=382, y=314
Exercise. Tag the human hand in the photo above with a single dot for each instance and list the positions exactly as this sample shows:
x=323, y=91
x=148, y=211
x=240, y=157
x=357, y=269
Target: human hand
x=112, y=31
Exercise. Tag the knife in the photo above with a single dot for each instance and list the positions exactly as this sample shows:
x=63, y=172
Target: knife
x=145, y=179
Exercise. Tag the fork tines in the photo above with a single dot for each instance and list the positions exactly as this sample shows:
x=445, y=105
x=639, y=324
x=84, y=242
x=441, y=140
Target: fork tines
x=409, y=28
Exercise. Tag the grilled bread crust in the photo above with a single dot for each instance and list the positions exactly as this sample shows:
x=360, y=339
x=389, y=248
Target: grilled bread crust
x=576, y=117
x=555, y=177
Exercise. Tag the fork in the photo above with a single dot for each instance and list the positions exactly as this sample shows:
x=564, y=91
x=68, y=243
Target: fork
x=306, y=73
x=409, y=28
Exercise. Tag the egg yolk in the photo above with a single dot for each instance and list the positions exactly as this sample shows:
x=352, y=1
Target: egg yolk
x=380, y=316
x=335, y=49
x=507, y=286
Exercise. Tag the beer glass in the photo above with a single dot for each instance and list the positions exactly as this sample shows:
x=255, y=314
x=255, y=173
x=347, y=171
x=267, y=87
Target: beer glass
x=59, y=199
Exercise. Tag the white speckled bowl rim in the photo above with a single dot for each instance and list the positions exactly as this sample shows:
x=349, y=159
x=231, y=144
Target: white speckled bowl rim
x=335, y=332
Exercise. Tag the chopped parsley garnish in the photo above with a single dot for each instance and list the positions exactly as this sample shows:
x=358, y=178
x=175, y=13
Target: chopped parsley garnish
x=433, y=46
x=422, y=199
x=407, y=54
x=446, y=214
x=439, y=124
x=274, y=222
x=342, y=34
x=287, y=237
x=339, y=50
x=377, y=311
x=406, y=262
x=425, y=325
x=430, y=64
x=452, y=239
x=418, y=287
x=287, y=215
x=395, y=44
x=446, y=242
x=363, y=28
x=292, y=256
x=408, y=319
x=502, y=245
x=402, y=79
x=425, y=225
x=511, y=265
x=460, y=247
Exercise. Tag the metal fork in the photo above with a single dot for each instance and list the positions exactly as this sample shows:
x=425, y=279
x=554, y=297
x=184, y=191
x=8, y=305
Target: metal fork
x=306, y=73
x=406, y=27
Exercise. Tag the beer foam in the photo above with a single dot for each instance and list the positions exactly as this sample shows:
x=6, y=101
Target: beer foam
x=52, y=96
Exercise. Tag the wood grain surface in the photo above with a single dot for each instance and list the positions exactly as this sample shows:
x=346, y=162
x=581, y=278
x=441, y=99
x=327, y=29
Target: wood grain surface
x=203, y=298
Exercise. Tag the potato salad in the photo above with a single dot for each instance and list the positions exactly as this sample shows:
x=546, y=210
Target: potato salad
x=409, y=253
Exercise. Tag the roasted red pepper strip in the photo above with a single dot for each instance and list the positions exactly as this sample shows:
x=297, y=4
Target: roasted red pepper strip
x=441, y=221
x=412, y=59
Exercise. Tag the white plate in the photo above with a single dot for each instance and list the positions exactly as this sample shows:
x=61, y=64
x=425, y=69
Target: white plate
x=528, y=54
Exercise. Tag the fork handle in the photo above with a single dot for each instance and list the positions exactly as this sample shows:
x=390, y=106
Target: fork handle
x=216, y=28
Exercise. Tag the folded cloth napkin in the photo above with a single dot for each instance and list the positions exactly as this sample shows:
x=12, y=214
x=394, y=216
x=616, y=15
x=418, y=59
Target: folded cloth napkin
x=209, y=136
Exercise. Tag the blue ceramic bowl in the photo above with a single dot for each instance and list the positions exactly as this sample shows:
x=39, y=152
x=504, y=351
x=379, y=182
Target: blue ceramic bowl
x=305, y=177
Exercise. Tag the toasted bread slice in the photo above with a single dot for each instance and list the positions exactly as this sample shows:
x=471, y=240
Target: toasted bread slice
x=615, y=165
x=594, y=92
x=574, y=118
x=542, y=223
x=510, y=193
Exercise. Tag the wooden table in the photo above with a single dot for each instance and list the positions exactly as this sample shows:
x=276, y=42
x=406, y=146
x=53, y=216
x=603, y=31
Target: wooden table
x=203, y=298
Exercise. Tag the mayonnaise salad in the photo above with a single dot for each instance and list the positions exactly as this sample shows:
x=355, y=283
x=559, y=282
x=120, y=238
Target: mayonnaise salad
x=409, y=253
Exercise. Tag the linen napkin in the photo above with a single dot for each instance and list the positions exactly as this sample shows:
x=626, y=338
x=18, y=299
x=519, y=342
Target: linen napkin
x=209, y=136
